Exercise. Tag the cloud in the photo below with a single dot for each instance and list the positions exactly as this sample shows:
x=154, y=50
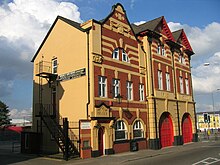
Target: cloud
x=132, y=4
x=205, y=41
x=139, y=23
x=21, y=114
x=24, y=23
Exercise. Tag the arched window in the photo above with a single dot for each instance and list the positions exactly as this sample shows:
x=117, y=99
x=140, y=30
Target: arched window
x=124, y=56
x=120, y=130
x=181, y=58
x=115, y=54
x=138, y=131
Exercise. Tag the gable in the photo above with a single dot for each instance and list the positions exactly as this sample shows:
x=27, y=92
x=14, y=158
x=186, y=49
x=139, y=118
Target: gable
x=185, y=41
x=165, y=30
x=118, y=22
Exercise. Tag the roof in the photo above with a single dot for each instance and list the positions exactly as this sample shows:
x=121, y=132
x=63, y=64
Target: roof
x=68, y=21
x=176, y=34
x=150, y=25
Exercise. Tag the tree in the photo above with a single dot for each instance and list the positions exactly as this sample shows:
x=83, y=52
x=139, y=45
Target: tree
x=4, y=114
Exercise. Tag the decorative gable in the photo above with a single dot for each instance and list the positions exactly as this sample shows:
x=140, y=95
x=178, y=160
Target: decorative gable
x=117, y=21
x=184, y=41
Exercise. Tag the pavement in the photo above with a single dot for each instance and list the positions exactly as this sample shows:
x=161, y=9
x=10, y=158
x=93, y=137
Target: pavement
x=11, y=156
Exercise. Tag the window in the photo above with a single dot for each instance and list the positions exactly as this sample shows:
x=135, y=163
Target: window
x=141, y=92
x=116, y=87
x=102, y=86
x=121, y=130
x=138, y=129
x=181, y=58
x=163, y=52
x=158, y=49
x=115, y=54
x=54, y=66
x=187, y=86
x=181, y=85
x=160, y=80
x=129, y=90
x=168, y=81
x=124, y=56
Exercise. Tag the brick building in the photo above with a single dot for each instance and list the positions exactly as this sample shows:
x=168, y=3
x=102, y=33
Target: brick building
x=109, y=85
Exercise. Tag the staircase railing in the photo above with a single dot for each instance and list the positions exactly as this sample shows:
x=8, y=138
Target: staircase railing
x=60, y=134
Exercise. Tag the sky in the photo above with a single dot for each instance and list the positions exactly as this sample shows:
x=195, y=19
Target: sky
x=24, y=24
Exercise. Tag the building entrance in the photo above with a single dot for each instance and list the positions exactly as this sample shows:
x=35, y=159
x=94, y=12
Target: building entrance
x=187, y=128
x=101, y=140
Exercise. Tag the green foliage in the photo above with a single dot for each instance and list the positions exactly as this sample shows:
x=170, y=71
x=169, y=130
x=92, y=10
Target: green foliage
x=4, y=114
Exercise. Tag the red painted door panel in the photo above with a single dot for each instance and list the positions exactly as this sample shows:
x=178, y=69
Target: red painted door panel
x=166, y=133
x=100, y=140
x=187, y=130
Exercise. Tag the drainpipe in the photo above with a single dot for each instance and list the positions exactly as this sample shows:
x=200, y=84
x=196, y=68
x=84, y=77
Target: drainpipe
x=87, y=104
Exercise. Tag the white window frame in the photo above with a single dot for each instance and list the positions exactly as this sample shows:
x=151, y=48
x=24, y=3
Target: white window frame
x=160, y=80
x=141, y=92
x=158, y=49
x=102, y=86
x=187, y=86
x=181, y=85
x=121, y=126
x=54, y=65
x=129, y=90
x=138, y=126
x=168, y=81
x=163, y=52
x=116, y=87
x=124, y=56
x=115, y=54
x=181, y=58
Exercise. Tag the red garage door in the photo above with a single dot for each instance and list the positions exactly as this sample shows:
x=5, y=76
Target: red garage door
x=187, y=129
x=166, y=130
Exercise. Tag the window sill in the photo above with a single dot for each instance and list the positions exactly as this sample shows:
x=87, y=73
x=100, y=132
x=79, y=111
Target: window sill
x=121, y=141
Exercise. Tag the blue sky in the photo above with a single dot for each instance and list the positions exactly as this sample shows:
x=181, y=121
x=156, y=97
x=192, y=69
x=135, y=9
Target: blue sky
x=24, y=24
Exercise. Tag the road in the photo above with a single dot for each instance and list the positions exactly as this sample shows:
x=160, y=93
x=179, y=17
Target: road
x=206, y=152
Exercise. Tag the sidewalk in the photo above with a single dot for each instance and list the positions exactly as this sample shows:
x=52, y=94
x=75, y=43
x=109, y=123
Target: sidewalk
x=7, y=157
x=122, y=158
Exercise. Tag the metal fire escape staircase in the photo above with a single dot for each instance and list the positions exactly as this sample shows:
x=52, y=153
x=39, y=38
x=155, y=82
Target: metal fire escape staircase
x=57, y=131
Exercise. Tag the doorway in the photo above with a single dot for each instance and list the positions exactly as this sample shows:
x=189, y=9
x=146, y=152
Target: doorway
x=101, y=140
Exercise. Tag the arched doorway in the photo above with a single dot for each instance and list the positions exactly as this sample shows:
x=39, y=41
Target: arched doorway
x=101, y=140
x=166, y=130
x=187, y=128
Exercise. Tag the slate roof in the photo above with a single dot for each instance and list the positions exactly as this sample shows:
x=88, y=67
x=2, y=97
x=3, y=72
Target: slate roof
x=176, y=34
x=150, y=25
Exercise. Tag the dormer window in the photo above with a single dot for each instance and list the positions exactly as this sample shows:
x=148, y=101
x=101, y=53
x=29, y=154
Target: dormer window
x=115, y=54
x=124, y=56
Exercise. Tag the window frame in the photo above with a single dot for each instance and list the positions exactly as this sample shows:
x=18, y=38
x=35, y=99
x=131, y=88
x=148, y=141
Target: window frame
x=116, y=87
x=54, y=66
x=102, y=82
x=124, y=54
x=158, y=49
x=181, y=85
x=163, y=51
x=138, y=126
x=160, y=80
x=129, y=90
x=187, y=86
x=116, y=50
x=168, y=88
x=141, y=92
x=122, y=128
